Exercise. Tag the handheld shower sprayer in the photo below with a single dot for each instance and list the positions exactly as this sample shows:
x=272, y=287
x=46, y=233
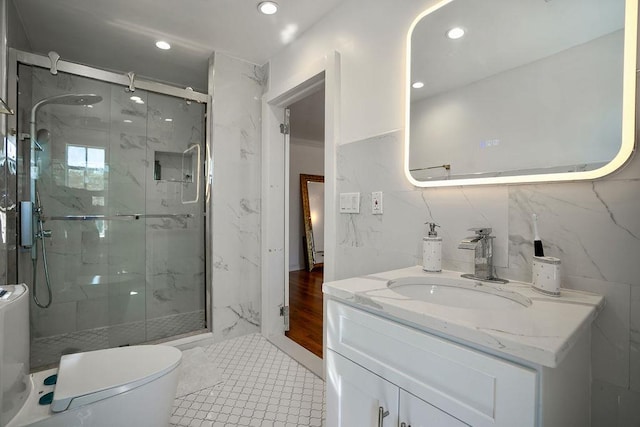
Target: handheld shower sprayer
x=39, y=139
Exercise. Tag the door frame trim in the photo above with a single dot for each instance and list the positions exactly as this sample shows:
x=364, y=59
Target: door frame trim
x=274, y=266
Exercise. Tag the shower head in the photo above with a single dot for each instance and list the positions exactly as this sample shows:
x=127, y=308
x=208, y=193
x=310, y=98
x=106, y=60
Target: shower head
x=65, y=99
x=69, y=99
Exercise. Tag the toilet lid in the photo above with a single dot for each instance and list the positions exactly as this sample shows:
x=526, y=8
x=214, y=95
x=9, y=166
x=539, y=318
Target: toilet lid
x=84, y=378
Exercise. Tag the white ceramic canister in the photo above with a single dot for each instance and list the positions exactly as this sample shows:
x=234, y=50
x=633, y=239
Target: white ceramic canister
x=546, y=275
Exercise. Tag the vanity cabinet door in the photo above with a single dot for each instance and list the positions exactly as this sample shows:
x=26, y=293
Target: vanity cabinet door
x=416, y=412
x=355, y=396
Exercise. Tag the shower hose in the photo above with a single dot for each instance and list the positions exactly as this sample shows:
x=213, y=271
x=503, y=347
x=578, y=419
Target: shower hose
x=41, y=235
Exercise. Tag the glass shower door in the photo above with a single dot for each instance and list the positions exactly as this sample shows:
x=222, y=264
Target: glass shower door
x=175, y=221
x=125, y=256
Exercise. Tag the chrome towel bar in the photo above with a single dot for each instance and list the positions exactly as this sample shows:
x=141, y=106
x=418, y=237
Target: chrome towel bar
x=116, y=217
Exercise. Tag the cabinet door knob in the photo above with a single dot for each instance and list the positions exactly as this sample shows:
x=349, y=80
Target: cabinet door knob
x=381, y=414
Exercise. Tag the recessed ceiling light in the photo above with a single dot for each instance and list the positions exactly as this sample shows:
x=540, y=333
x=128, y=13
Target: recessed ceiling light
x=417, y=85
x=455, y=33
x=268, y=7
x=135, y=98
x=127, y=121
x=160, y=44
x=168, y=120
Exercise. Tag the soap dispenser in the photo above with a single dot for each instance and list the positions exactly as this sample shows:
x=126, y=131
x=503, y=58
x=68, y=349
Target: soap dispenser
x=432, y=249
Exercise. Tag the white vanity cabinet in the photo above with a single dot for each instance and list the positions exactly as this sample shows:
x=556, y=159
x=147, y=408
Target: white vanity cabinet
x=362, y=398
x=420, y=379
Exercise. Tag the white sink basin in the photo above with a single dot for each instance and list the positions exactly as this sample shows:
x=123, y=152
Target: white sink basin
x=458, y=293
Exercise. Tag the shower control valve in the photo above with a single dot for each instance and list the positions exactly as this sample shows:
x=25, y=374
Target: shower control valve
x=44, y=233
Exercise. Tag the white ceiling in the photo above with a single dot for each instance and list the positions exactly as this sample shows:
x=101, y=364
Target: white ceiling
x=120, y=34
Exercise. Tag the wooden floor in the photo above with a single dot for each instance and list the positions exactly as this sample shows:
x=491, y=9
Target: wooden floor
x=305, y=309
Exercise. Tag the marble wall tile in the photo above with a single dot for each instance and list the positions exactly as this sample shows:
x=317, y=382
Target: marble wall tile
x=635, y=339
x=92, y=313
x=610, y=331
x=238, y=88
x=613, y=406
x=127, y=153
x=174, y=246
x=394, y=239
x=57, y=319
x=375, y=169
x=592, y=227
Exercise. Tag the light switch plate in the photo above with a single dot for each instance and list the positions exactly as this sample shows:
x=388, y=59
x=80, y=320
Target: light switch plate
x=376, y=203
x=349, y=202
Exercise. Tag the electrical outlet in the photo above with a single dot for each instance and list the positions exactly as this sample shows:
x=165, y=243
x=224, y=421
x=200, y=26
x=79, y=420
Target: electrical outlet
x=376, y=203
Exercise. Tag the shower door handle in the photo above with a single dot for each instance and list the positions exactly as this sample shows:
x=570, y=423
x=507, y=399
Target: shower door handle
x=194, y=174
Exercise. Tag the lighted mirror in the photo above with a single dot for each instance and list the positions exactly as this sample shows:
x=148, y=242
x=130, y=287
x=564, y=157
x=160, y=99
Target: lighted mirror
x=503, y=91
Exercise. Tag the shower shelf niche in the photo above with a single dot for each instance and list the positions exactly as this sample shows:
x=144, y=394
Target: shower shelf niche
x=173, y=167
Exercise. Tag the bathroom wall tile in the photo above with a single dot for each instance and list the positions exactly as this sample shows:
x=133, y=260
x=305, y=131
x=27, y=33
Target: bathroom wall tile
x=610, y=331
x=176, y=324
x=127, y=248
x=92, y=313
x=635, y=339
x=174, y=251
x=126, y=333
x=175, y=266
x=613, y=406
x=127, y=153
x=235, y=320
x=592, y=227
x=54, y=320
x=127, y=308
x=459, y=208
x=368, y=243
x=377, y=170
x=236, y=192
x=629, y=409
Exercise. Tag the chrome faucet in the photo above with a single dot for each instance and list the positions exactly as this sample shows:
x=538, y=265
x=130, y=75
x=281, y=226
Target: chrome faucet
x=482, y=245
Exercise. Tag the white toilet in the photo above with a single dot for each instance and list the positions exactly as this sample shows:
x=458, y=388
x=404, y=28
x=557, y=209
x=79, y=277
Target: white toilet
x=125, y=386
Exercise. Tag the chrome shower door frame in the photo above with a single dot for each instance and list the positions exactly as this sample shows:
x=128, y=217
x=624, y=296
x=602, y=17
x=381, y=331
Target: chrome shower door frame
x=16, y=57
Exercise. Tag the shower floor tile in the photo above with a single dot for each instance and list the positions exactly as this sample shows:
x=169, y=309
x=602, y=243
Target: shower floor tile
x=261, y=386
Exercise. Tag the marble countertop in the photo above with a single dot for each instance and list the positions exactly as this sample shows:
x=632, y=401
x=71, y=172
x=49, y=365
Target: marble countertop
x=542, y=333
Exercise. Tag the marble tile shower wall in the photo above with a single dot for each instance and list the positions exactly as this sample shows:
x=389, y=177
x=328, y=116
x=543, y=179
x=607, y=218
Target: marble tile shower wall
x=118, y=272
x=592, y=226
x=238, y=89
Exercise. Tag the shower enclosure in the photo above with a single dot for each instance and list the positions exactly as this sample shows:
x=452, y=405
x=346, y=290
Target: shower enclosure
x=112, y=190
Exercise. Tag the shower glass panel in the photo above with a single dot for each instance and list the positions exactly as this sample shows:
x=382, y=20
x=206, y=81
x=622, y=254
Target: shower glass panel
x=125, y=254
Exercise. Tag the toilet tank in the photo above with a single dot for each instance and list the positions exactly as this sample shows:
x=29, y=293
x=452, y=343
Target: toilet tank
x=14, y=350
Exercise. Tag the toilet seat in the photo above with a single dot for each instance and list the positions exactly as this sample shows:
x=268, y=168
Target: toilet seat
x=84, y=378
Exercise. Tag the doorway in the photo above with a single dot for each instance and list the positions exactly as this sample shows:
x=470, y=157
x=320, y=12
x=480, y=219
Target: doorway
x=306, y=221
x=284, y=92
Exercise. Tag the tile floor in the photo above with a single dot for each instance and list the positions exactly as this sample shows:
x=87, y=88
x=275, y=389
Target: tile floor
x=261, y=386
